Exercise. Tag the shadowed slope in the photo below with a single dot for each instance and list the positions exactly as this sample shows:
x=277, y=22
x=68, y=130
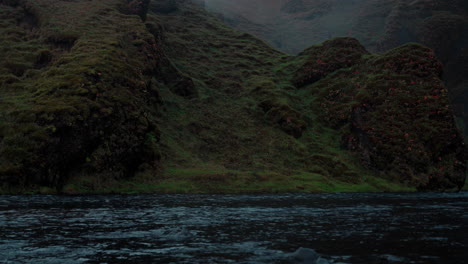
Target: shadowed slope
x=250, y=114
x=86, y=84
x=77, y=98
x=380, y=25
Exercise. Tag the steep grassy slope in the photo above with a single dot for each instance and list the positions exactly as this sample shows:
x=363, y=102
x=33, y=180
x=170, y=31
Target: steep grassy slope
x=440, y=25
x=247, y=115
x=76, y=92
x=380, y=25
x=241, y=118
x=98, y=96
x=251, y=113
x=392, y=109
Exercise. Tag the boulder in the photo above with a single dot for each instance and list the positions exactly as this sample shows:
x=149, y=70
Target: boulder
x=307, y=256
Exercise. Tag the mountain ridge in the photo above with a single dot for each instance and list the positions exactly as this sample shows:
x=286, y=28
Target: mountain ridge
x=381, y=25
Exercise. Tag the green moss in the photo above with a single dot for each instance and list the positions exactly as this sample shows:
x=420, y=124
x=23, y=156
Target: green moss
x=96, y=101
x=71, y=73
x=465, y=187
x=200, y=180
x=374, y=110
x=327, y=58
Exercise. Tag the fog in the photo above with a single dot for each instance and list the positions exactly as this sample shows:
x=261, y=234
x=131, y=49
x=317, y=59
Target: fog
x=380, y=25
x=292, y=25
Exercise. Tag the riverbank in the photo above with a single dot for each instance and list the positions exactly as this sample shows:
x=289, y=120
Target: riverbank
x=465, y=188
x=204, y=181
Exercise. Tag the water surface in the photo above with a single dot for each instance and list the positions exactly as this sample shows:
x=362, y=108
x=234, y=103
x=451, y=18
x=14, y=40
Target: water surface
x=348, y=228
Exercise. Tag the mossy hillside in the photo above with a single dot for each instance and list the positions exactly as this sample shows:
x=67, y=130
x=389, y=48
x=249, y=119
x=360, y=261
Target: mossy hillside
x=393, y=110
x=80, y=101
x=380, y=25
x=247, y=115
x=203, y=180
x=465, y=187
x=231, y=115
x=250, y=114
x=223, y=125
x=275, y=103
x=442, y=26
x=327, y=58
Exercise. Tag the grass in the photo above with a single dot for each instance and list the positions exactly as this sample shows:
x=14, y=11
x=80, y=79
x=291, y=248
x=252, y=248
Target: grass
x=252, y=89
x=182, y=103
x=465, y=187
x=199, y=180
x=81, y=78
x=247, y=107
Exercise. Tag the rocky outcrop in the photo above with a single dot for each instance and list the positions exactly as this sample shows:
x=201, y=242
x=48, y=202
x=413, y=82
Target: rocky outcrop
x=79, y=104
x=327, y=58
x=442, y=26
x=393, y=111
x=306, y=256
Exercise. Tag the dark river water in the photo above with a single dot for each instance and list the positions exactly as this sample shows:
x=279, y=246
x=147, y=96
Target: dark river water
x=343, y=228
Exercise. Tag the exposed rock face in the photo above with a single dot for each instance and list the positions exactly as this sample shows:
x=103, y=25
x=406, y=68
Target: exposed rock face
x=442, y=26
x=393, y=111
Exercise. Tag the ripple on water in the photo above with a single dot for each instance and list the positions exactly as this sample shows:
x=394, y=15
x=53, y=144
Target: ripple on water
x=346, y=228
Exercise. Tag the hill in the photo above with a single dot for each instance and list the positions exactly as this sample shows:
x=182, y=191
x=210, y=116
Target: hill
x=380, y=25
x=100, y=96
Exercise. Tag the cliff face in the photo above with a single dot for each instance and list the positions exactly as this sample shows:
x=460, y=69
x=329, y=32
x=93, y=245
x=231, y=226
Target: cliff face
x=391, y=109
x=440, y=25
x=101, y=91
x=293, y=25
x=77, y=92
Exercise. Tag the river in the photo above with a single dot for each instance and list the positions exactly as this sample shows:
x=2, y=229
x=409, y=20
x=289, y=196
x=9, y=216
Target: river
x=343, y=228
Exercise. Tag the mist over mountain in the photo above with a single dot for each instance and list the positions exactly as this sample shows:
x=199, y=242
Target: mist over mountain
x=380, y=25
x=293, y=25
x=289, y=25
